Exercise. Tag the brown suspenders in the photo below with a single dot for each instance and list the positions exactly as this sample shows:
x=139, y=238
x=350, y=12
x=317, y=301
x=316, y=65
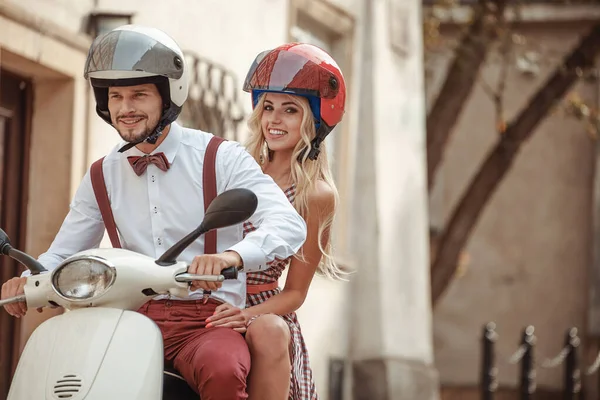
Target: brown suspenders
x=209, y=182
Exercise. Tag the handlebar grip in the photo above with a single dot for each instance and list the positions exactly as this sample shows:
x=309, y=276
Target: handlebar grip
x=230, y=273
x=11, y=300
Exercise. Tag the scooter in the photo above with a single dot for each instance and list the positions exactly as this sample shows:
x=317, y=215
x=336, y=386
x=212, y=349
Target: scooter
x=100, y=348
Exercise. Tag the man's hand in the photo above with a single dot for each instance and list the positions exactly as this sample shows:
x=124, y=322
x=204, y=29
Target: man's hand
x=12, y=288
x=212, y=264
x=228, y=316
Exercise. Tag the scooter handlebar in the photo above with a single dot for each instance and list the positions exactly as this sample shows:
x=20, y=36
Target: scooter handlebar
x=230, y=273
x=227, y=273
x=11, y=300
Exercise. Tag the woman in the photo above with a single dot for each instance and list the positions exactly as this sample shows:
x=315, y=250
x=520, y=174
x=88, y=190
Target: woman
x=298, y=96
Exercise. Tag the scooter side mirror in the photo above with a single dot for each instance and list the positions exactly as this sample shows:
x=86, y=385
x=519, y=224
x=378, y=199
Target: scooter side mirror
x=229, y=208
x=5, y=245
x=31, y=263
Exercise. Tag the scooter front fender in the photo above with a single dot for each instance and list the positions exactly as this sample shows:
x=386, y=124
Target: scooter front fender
x=91, y=354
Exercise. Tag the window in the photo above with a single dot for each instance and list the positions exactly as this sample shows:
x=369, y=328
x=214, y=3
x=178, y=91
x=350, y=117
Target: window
x=100, y=23
x=212, y=105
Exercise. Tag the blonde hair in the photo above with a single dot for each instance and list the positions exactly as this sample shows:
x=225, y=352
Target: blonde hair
x=304, y=174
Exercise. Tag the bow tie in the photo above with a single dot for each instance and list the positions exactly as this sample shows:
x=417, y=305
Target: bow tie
x=139, y=164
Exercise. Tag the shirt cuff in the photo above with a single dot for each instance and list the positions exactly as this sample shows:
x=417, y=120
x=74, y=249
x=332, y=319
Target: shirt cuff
x=252, y=256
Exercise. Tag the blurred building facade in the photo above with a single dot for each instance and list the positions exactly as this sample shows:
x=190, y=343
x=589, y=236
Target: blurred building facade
x=530, y=258
x=372, y=333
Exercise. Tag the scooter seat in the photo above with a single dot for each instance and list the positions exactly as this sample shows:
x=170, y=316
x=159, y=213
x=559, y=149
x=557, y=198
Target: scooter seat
x=175, y=387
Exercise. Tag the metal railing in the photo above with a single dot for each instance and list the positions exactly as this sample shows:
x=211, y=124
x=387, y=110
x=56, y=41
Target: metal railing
x=568, y=358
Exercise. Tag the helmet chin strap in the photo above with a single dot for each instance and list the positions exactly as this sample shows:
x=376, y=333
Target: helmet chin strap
x=315, y=144
x=152, y=138
x=314, y=150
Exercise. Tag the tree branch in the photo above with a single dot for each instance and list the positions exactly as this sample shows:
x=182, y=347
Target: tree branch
x=501, y=157
x=460, y=79
x=506, y=50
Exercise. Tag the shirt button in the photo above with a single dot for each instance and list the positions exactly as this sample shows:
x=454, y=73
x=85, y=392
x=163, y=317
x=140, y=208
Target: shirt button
x=155, y=210
x=159, y=242
x=153, y=179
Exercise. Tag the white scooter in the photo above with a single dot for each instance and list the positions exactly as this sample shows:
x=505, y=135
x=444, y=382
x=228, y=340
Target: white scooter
x=100, y=348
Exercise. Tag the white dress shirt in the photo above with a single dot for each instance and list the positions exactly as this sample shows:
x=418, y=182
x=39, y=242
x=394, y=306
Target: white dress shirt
x=155, y=210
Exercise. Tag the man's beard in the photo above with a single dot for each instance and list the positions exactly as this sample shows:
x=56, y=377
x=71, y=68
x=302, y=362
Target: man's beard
x=130, y=135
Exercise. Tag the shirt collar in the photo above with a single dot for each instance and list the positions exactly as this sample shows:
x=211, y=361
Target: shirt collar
x=169, y=146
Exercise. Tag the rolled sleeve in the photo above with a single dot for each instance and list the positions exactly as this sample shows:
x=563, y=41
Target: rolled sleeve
x=253, y=258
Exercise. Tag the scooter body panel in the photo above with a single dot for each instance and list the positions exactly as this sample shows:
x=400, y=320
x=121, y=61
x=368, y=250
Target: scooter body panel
x=138, y=278
x=91, y=354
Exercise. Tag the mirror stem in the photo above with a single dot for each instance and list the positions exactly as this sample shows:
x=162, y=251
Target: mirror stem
x=31, y=263
x=170, y=256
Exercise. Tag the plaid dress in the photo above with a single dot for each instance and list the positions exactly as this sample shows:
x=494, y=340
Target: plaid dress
x=302, y=385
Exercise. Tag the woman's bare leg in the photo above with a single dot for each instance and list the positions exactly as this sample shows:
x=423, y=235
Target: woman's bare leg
x=268, y=338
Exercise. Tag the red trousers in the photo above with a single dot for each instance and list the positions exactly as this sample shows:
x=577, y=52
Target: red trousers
x=214, y=361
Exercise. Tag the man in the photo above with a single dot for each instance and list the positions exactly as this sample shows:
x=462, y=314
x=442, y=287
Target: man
x=155, y=186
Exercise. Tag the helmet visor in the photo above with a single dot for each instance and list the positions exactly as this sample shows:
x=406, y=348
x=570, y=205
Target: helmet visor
x=132, y=51
x=284, y=71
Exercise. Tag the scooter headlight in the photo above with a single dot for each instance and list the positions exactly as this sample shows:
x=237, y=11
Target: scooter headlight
x=83, y=278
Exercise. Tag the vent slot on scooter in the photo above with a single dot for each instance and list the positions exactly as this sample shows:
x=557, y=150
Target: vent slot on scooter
x=67, y=387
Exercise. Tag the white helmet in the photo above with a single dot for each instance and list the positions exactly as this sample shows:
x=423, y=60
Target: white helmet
x=133, y=55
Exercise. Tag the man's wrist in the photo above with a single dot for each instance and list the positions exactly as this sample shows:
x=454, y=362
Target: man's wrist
x=236, y=258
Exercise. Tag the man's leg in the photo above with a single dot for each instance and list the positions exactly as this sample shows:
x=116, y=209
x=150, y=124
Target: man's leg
x=216, y=363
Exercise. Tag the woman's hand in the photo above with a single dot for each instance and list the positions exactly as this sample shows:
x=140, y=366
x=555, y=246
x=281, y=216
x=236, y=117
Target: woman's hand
x=228, y=316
